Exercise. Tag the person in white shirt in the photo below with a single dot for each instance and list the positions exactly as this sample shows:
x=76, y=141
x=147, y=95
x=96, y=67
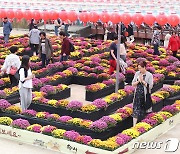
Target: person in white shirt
x=12, y=62
x=25, y=83
x=166, y=40
x=34, y=39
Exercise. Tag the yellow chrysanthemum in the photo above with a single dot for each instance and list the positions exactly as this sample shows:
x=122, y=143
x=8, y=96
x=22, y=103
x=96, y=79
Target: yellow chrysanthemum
x=172, y=74
x=144, y=125
x=38, y=94
x=58, y=133
x=89, y=108
x=62, y=103
x=122, y=92
x=6, y=80
x=5, y=121
x=116, y=116
x=131, y=132
x=128, y=109
x=177, y=102
x=167, y=114
x=107, y=100
x=86, y=123
x=96, y=143
x=109, y=145
x=52, y=102
x=68, y=72
x=14, y=109
x=75, y=121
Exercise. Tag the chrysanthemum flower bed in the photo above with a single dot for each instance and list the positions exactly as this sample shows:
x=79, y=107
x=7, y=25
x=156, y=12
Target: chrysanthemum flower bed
x=151, y=121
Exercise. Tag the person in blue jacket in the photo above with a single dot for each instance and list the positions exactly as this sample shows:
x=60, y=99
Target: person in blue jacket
x=7, y=28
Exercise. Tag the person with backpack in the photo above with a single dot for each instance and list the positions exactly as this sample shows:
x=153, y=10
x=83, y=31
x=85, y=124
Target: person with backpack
x=25, y=83
x=11, y=64
x=34, y=40
x=66, y=47
x=45, y=49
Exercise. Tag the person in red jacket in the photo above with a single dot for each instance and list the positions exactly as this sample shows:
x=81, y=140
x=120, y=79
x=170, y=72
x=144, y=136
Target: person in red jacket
x=65, y=48
x=174, y=44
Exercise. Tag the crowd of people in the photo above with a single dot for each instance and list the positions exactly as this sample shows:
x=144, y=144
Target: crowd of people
x=20, y=72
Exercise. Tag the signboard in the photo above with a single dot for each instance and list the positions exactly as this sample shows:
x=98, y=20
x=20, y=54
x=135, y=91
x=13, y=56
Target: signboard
x=69, y=147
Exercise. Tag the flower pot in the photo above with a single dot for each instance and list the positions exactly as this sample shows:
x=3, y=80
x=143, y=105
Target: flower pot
x=170, y=100
x=36, y=89
x=60, y=95
x=13, y=99
x=42, y=75
x=157, y=87
x=170, y=80
x=91, y=96
x=5, y=86
x=129, y=78
x=55, y=70
x=84, y=80
x=158, y=106
x=66, y=81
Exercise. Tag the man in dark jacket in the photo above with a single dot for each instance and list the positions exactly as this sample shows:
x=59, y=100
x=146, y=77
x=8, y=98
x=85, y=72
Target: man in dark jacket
x=111, y=34
x=65, y=48
x=7, y=28
x=130, y=37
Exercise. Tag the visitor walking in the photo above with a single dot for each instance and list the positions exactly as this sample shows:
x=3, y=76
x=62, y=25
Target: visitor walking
x=57, y=25
x=25, y=83
x=156, y=40
x=7, y=28
x=31, y=25
x=174, y=44
x=123, y=29
x=142, y=81
x=130, y=37
x=34, y=40
x=11, y=64
x=65, y=48
x=123, y=47
x=113, y=55
x=166, y=40
x=66, y=27
x=45, y=49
